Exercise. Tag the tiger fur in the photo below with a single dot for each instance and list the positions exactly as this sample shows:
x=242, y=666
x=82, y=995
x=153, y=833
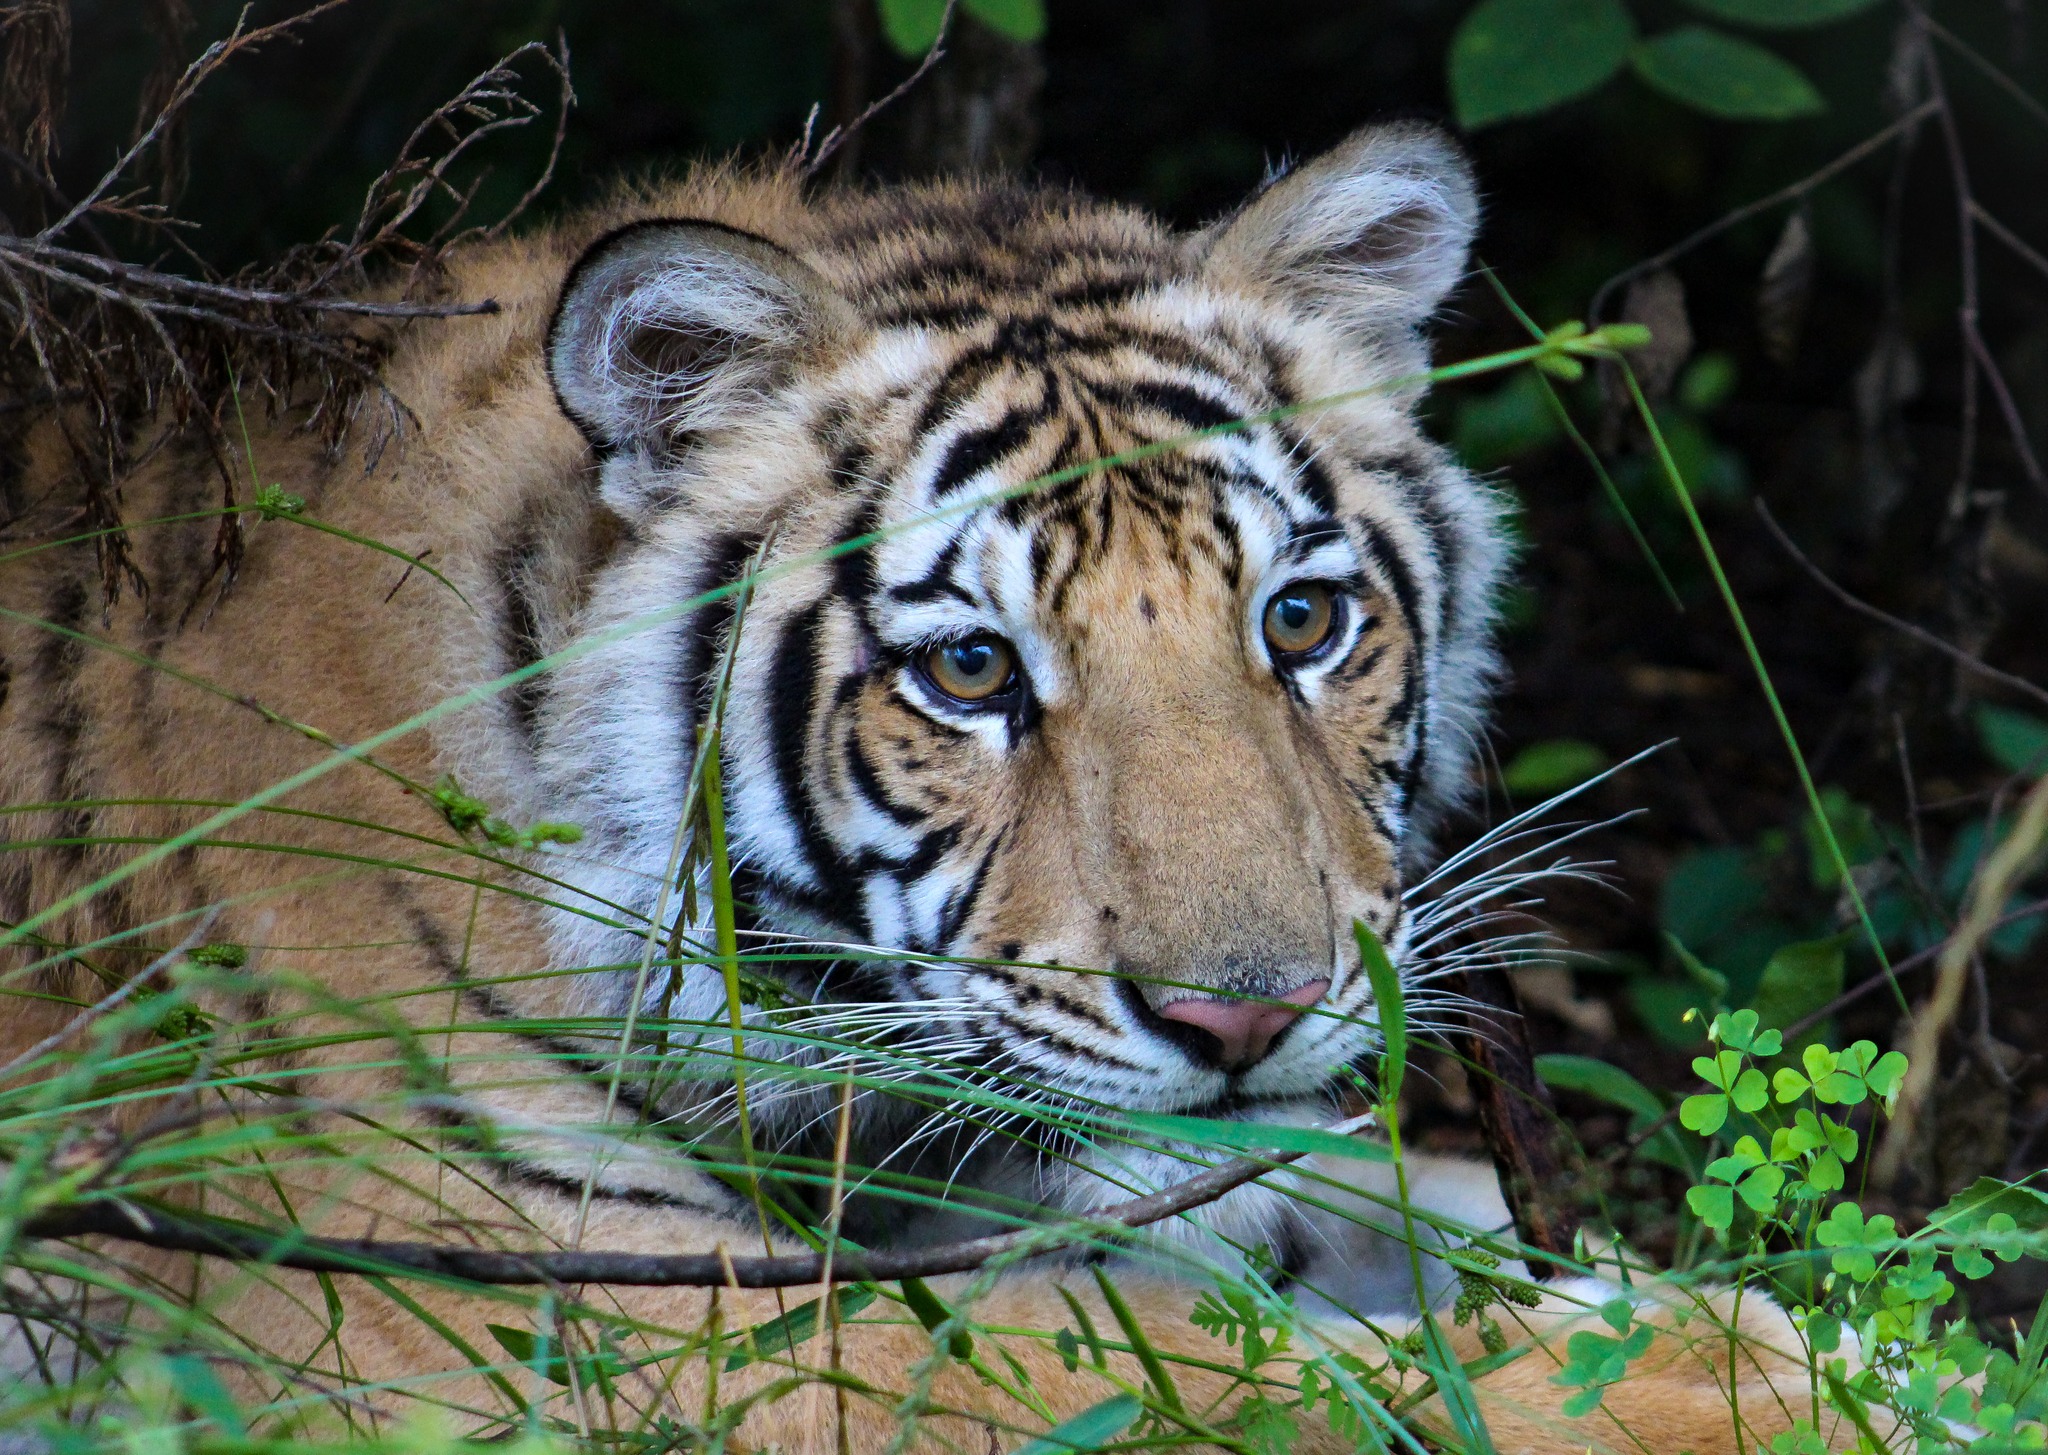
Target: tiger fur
x=726, y=376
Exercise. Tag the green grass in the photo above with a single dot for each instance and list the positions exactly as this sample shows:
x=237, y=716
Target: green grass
x=219, y=1097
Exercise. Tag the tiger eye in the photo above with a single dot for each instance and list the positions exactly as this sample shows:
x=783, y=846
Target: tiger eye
x=972, y=669
x=1300, y=618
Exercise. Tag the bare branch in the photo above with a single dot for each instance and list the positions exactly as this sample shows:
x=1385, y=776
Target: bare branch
x=244, y=1242
x=196, y=75
x=1919, y=634
x=838, y=136
x=1791, y=192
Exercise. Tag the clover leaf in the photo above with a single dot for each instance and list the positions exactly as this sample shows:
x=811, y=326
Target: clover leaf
x=1714, y=1206
x=1594, y=1361
x=1849, y=1077
x=1855, y=1241
x=1822, y=1142
x=1801, y=1439
x=1737, y=1030
x=1756, y=1179
x=1742, y=1088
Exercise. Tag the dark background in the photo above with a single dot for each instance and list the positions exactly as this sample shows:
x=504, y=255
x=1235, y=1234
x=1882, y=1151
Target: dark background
x=1183, y=105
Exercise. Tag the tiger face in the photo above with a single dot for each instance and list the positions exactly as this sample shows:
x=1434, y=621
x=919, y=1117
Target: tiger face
x=1115, y=631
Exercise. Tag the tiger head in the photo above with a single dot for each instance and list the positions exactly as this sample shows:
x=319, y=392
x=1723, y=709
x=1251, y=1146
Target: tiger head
x=1113, y=634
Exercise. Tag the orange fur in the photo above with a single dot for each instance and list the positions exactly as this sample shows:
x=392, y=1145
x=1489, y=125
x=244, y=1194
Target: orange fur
x=325, y=634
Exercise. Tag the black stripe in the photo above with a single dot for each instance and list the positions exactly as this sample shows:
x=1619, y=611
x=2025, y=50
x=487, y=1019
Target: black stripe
x=1314, y=479
x=1404, y=705
x=485, y=1001
x=960, y=904
x=704, y=632
x=869, y=783
x=976, y=450
x=921, y=860
x=792, y=692
x=1308, y=534
x=1390, y=561
x=1099, y=292
x=1030, y=1039
x=936, y=582
x=520, y=1171
x=1362, y=663
x=519, y=629
x=1184, y=405
x=1031, y=993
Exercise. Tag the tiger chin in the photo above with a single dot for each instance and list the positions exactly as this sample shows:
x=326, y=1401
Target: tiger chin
x=1093, y=637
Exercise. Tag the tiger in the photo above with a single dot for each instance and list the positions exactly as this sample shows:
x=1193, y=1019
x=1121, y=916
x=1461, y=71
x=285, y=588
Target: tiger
x=1080, y=635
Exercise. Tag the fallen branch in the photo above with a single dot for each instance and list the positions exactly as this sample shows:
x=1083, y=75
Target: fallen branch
x=244, y=1242
x=1522, y=1131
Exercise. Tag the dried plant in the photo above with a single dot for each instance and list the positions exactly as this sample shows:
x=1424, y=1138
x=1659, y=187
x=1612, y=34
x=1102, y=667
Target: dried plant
x=124, y=354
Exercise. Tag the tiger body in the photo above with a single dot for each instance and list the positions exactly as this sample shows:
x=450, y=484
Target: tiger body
x=887, y=411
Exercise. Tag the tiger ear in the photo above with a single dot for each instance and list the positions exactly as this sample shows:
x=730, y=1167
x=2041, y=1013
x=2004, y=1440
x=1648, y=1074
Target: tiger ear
x=1372, y=234
x=666, y=329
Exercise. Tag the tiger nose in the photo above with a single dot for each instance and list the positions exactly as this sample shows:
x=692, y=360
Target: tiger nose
x=1243, y=1030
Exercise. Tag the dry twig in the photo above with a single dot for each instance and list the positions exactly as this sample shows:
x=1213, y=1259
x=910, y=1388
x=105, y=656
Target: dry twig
x=244, y=1242
x=1919, y=634
x=135, y=352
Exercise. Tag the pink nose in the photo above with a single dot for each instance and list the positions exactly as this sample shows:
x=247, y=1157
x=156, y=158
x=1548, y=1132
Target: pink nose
x=1244, y=1030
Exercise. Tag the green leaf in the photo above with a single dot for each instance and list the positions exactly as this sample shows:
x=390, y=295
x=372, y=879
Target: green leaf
x=1973, y=1208
x=1826, y=1174
x=1799, y=979
x=199, y=1387
x=1519, y=57
x=1712, y=71
x=596, y=1368
x=1255, y=1136
x=1711, y=896
x=1091, y=1429
x=1856, y=833
x=1390, y=1006
x=2016, y=741
x=1506, y=423
x=1020, y=20
x=798, y=1326
x=1751, y=1091
x=1705, y=1114
x=1884, y=1077
x=1782, y=14
x=1592, y=1077
x=1714, y=1206
x=1579, y=1405
x=1611, y=1084
x=932, y=1312
x=912, y=25
x=1855, y=1241
x=1552, y=766
x=1163, y=1387
x=1739, y=1031
x=1761, y=1188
